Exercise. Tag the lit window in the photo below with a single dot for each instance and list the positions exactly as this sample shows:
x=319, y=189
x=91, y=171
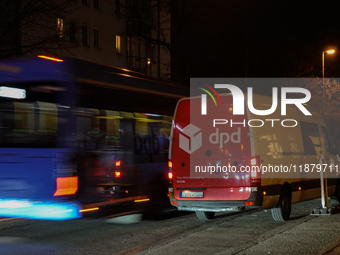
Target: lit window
x=60, y=27
x=148, y=66
x=118, y=39
x=85, y=35
x=96, y=38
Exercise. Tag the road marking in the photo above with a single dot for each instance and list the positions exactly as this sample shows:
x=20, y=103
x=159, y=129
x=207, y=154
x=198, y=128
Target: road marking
x=126, y=219
x=7, y=219
x=134, y=250
x=11, y=239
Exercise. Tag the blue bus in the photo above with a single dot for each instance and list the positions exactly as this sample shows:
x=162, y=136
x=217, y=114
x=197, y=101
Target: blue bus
x=78, y=137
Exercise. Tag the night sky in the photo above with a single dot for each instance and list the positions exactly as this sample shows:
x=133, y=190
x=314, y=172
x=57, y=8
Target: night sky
x=269, y=38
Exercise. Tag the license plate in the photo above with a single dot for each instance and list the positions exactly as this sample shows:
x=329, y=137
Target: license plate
x=198, y=194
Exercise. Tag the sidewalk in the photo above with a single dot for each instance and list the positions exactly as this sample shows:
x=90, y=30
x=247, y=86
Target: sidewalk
x=249, y=235
x=334, y=251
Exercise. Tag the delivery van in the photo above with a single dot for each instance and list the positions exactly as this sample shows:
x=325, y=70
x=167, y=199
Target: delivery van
x=221, y=161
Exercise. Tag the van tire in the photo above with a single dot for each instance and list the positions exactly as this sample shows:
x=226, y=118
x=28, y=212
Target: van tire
x=283, y=209
x=205, y=216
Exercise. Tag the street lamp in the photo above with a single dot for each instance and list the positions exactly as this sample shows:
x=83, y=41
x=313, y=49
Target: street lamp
x=323, y=179
x=323, y=77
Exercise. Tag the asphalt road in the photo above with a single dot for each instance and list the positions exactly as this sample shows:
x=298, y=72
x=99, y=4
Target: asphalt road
x=250, y=232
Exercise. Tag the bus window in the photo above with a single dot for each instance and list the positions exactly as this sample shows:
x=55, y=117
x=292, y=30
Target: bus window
x=146, y=140
x=89, y=135
x=113, y=120
x=152, y=137
x=104, y=129
x=30, y=124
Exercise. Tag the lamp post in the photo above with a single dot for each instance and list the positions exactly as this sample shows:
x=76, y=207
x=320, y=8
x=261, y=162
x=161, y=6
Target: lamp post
x=323, y=77
x=323, y=176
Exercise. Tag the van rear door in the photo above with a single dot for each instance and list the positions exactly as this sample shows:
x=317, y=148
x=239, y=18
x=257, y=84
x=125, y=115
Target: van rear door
x=207, y=155
x=185, y=138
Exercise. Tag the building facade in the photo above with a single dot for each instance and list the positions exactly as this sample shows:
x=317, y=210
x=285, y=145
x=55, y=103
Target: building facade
x=132, y=34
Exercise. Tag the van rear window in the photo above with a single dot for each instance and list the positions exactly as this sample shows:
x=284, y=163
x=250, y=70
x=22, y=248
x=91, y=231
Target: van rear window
x=311, y=138
x=328, y=141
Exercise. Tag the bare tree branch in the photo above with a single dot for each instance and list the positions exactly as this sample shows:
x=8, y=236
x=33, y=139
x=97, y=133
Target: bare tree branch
x=30, y=26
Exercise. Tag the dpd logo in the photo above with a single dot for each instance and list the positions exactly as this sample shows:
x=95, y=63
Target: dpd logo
x=191, y=138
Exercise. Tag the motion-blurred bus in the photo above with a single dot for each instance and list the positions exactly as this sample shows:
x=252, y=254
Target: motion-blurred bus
x=77, y=137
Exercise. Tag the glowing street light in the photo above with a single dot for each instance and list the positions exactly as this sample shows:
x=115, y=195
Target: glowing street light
x=323, y=77
x=323, y=61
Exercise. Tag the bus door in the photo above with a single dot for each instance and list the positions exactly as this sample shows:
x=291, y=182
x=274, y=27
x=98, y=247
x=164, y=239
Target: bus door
x=151, y=144
x=34, y=166
x=105, y=140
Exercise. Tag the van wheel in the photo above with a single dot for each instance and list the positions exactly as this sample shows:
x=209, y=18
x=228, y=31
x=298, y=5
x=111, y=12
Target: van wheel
x=282, y=211
x=205, y=215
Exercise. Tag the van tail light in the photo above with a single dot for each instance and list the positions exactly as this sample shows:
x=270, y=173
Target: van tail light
x=66, y=186
x=255, y=173
x=117, y=174
x=170, y=174
x=118, y=163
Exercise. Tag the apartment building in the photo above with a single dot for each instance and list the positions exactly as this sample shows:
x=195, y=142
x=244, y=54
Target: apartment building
x=132, y=34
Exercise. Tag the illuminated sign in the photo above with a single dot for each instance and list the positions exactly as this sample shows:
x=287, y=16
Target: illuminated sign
x=12, y=92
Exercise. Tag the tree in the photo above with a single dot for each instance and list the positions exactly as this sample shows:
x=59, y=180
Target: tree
x=326, y=101
x=158, y=25
x=32, y=26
